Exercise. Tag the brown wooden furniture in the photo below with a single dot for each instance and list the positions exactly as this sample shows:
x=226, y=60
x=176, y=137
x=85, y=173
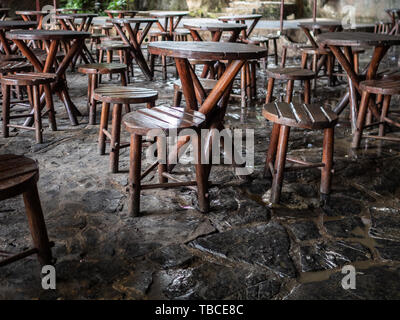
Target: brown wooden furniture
x=394, y=14
x=15, y=66
x=171, y=21
x=94, y=71
x=160, y=121
x=264, y=42
x=290, y=75
x=120, y=13
x=106, y=50
x=118, y=96
x=69, y=22
x=19, y=175
x=213, y=105
x=130, y=36
x=285, y=116
x=67, y=10
x=384, y=90
x=30, y=16
x=33, y=81
x=54, y=38
x=347, y=40
x=181, y=35
x=6, y=26
x=243, y=19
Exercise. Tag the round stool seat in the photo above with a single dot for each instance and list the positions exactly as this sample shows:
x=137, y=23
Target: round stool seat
x=257, y=40
x=15, y=66
x=111, y=39
x=28, y=79
x=273, y=36
x=16, y=175
x=291, y=74
x=207, y=84
x=300, y=115
x=162, y=118
x=98, y=36
x=102, y=68
x=388, y=86
x=157, y=33
x=11, y=57
x=182, y=32
x=125, y=95
x=113, y=46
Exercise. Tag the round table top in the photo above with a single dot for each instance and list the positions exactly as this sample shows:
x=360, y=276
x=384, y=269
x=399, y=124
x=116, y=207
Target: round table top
x=354, y=39
x=207, y=50
x=215, y=26
x=121, y=11
x=241, y=17
x=320, y=24
x=32, y=13
x=11, y=25
x=76, y=15
x=168, y=13
x=46, y=35
x=131, y=20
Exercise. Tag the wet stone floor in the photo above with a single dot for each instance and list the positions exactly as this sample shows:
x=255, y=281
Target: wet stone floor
x=242, y=249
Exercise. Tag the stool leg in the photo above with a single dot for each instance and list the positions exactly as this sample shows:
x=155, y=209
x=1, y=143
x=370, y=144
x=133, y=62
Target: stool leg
x=151, y=105
x=243, y=87
x=280, y=164
x=271, y=153
x=253, y=80
x=385, y=110
x=115, y=137
x=304, y=58
x=101, y=59
x=164, y=67
x=37, y=225
x=37, y=114
x=327, y=159
x=270, y=90
x=110, y=55
x=135, y=168
x=284, y=53
x=124, y=83
x=289, y=91
x=307, y=91
x=276, y=52
x=50, y=107
x=93, y=103
x=6, y=109
x=162, y=158
x=105, y=111
x=361, y=120
x=248, y=83
x=201, y=177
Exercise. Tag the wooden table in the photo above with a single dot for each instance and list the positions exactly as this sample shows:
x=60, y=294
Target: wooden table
x=33, y=16
x=67, y=10
x=53, y=38
x=4, y=13
x=69, y=22
x=341, y=44
x=171, y=21
x=319, y=27
x=130, y=36
x=252, y=18
x=121, y=13
x=12, y=25
x=214, y=104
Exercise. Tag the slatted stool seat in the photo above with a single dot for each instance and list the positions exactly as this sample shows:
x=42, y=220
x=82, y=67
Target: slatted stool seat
x=33, y=81
x=19, y=175
x=118, y=96
x=94, y=72
x=161, y=122
x=285, y=116
x=181, y=35
x=207, y=84
x=290, y=75
x=384, y=89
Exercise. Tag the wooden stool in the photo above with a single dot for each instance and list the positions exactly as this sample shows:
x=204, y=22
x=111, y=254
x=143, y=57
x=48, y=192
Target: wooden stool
x=181, y=35
x=207, y=84
x=118, y=96
x=312, y=117
x=163, y=120
x=156, y=36
x=124, y=56
x=264, y=42
x=33, y=82
x=384, y=89
x=19, y=175
x=290, y=75
x=94, y=71
x=318, y=63
x=7, y=67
